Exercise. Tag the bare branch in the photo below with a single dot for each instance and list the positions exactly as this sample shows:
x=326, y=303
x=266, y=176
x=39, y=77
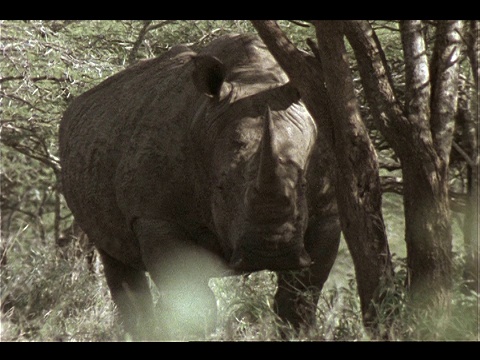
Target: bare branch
x=141, y=35
x=390, y=166
x=159, y=25
x=383, y=26
x=14, y=97
x=10, y=78
x=34, y=79
x=147, y=26
x=47, y=159
x=462, y=152
x=302, y=24
x=391, y=184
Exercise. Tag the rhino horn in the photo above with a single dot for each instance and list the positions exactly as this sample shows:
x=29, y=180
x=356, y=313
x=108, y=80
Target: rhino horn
x=267, y=177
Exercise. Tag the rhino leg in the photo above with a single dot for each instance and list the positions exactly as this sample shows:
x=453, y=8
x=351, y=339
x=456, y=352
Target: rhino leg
x=298, y=292
x=131, y=293
x=181, y=271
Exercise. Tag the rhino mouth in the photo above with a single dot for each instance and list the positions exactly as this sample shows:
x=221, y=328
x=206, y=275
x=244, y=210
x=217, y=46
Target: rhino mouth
x=291, y=258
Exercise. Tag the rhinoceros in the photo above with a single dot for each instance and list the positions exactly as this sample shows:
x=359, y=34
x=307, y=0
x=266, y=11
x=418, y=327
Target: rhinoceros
x=194, y=165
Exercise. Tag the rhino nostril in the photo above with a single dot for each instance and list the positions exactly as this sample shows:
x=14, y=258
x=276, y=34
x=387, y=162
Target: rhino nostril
x=304, y=259
x=237, y=261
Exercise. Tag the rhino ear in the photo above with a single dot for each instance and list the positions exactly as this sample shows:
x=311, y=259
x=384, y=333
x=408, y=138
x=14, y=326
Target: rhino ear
x=208, y=75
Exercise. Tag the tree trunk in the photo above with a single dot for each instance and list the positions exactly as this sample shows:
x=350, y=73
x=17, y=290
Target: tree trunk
x=468, y=124
x=356, y=169
x=420, y=135
x=473, y=48
x=471, y=224
x=359, y=194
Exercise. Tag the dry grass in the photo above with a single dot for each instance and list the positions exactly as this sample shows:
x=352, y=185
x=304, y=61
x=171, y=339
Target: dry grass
x=46, y=298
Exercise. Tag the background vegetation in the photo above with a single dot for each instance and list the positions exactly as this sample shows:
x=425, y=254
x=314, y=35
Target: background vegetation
x=48, y=293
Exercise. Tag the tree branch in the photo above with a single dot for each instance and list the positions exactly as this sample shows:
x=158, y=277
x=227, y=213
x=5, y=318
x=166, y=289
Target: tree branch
x=386, y=108
x=51, y=161
x=141, y=35
x=390, y=166
x=299, y=23
x=161, y=24
x=147, y=26
x=34, y=79
x=14, y=97
x=465, y=156
x=392, y=184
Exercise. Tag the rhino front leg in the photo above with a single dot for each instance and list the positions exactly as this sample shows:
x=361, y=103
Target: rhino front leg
x=298, y=291
x=181, y=270
x=131, y=294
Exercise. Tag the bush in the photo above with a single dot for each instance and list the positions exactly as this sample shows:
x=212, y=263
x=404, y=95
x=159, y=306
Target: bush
x=47, y=298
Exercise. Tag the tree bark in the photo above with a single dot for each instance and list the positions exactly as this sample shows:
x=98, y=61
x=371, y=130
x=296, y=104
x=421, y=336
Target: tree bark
x=470, y=133
x=473, y=48
x=444, y=79
x=355, y=163
x=359, y=193
x=421, y=147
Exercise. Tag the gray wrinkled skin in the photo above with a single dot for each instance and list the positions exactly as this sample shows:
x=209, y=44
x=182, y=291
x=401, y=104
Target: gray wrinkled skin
x=191, y=165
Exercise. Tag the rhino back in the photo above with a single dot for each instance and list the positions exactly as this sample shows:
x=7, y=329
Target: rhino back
x=109, y=131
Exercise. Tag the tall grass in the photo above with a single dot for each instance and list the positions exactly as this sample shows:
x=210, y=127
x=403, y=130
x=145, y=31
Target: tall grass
x=249, y=316
x=45, y=297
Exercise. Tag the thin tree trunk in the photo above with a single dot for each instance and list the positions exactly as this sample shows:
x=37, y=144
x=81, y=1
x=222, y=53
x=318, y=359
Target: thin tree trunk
x=444, y=79
x=471, y=123
x=473, y=48
x=56, y=219
x=469, y=126
x=359, y=194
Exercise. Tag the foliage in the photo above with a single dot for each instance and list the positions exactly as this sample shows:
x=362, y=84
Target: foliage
x=48, y=298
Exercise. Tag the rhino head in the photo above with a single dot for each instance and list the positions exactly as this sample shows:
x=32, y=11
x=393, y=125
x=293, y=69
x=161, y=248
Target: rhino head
x=258, y=144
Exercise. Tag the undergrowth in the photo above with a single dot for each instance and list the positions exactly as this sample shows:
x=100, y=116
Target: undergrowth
x=48, y=298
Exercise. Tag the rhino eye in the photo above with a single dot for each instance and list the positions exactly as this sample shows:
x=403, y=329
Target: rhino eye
x=220, y=186
x=303, y=183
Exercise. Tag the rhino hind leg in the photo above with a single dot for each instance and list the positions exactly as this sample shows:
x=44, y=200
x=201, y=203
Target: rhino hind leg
x=298, y=292
x=131, y=294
